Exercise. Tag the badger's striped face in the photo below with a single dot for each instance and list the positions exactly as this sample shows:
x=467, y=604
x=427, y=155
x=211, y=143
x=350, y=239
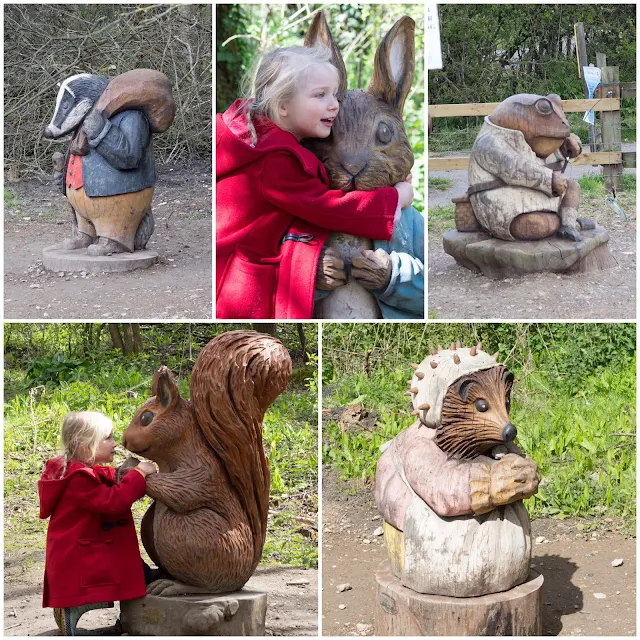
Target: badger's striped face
x=76, y=98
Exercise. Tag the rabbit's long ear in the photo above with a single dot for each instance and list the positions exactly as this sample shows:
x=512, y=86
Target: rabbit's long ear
x=394, y=64
x=319, y=34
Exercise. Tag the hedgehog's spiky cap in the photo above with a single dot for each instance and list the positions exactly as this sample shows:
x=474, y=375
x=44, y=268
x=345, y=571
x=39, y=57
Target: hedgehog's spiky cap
x=437, y=372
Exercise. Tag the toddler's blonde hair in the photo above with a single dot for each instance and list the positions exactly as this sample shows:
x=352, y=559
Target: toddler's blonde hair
x=83, y=429
x=276, y=78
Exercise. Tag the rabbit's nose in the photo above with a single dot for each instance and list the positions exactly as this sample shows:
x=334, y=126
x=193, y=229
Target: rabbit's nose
x=352, y=168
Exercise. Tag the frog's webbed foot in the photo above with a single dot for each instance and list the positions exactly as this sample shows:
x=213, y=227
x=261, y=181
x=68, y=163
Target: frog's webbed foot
x=586, y=224
x=568, y=233
x=167, y=587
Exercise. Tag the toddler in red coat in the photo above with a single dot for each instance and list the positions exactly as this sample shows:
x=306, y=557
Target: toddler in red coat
x=92, y=555
x=274, y=207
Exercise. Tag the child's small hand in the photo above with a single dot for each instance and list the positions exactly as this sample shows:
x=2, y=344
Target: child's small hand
x=146, y=467
x=405, y=194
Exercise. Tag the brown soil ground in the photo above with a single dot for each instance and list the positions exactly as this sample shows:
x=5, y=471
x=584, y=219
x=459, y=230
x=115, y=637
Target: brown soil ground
x=179, y=286
x=456, y=292
x=291, y=610
x=575, y=566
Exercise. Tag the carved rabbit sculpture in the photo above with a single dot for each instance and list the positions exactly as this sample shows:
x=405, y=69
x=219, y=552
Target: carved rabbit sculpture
x=207, y=525
x=368, y=148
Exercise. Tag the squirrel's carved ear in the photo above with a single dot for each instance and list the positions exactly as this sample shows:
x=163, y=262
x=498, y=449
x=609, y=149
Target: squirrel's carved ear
x=319, y=34
x=164, y=387
x=394, y=64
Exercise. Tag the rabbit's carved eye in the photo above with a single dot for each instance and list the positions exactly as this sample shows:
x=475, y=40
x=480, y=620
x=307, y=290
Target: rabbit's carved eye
x=384, y=133
x=146, y=418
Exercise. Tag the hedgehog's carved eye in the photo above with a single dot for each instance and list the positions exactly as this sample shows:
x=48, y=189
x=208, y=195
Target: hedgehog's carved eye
x=481, y=405
x=508, y=405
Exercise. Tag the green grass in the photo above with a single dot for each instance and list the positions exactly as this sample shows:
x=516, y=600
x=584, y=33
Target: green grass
x=440, y=184
x=38, y=398
x=11, y=198
x=441, y=218
x=592, y=184
x=573, y=405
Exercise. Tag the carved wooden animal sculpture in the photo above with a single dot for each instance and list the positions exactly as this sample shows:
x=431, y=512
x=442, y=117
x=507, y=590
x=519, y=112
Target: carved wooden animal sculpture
x=450, y=487
x=368, y=146
x=517, y=188
x=207, y=525
x=109, y=171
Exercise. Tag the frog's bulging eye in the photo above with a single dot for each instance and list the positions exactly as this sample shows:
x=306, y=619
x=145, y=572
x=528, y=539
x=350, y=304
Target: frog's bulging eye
x=383, y=133
x=544, y=107
x=481, y=405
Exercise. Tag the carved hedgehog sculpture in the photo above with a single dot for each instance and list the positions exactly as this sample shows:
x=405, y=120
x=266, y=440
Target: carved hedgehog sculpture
x=450, y=487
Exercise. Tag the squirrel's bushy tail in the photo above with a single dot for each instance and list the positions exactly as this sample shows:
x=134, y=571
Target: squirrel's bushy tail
x=235, y=379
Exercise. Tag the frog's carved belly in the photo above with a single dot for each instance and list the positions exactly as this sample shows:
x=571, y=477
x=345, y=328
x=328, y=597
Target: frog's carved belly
x=352, y=301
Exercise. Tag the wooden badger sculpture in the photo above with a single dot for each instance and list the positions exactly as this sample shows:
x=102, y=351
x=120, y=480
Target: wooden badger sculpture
x=450, y=487
x=109, y=170
x=517, y=187
x=207, y=525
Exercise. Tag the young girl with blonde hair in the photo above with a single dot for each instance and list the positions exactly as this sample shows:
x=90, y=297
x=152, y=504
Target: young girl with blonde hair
x=92, y=555
x=274, y=207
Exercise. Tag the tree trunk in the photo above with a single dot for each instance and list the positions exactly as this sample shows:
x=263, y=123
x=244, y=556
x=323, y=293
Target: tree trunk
x=116, y=338
x=303, y=339
x=127, y=332
x=137, y=338
x=265, y=327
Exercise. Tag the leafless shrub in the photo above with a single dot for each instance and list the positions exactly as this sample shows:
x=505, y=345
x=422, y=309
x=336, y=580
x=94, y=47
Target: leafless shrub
x=44, y=44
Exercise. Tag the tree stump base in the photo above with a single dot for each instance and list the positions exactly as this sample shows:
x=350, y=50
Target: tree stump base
x=242, y=613
x=55, y=258
x=402, y=612
x=499, y=259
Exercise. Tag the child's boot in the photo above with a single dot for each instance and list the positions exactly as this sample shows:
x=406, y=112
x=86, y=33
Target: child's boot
x=67, y=618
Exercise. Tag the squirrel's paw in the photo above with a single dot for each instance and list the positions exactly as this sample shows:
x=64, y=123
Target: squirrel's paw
x=166, y=587
x=199, y=622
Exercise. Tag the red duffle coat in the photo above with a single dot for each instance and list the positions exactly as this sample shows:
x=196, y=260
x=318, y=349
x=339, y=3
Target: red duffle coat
x=274, y=211
x=92, y=547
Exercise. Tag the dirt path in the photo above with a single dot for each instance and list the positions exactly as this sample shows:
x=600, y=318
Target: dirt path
x=575, y=565
x=179, y=286
x=456, y=292
x=292, y=610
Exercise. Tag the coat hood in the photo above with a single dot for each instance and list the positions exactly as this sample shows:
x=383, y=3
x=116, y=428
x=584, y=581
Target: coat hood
x=238, y=149
x=433, y=382
x=53, y=483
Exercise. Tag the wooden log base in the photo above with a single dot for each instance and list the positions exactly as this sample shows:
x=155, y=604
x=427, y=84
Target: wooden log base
x=402, y=612
x=499, y=259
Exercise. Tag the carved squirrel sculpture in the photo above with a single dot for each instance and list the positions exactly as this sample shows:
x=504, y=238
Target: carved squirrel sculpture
x=207, y=525
x=516, y=185
x=450, y=487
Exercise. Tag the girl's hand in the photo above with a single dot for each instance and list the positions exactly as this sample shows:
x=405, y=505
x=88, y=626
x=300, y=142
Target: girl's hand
x=146, y=468
x=405, y=194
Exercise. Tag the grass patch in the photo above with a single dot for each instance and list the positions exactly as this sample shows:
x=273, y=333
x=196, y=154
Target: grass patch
x=573, y=405
x=593, y=184
x=40, y=393
x=442, y=218
x=11, y=198
x=440, y=184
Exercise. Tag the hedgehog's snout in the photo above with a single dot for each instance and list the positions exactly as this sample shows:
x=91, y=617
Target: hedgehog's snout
x=509, y=433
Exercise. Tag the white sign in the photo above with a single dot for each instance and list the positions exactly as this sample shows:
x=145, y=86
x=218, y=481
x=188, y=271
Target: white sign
x=593, y=77
x=434, y=48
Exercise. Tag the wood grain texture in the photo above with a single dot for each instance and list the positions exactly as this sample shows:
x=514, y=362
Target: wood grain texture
x=402, y=612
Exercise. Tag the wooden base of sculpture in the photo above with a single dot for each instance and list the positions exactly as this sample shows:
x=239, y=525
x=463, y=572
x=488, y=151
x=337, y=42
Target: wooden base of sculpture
x=402, y=612
x=56, y=258
x=495, y=258
x=242, y=613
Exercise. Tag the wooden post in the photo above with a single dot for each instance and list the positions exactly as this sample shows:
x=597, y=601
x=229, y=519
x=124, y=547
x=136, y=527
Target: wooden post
x=610, y=123
x=581, y=52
